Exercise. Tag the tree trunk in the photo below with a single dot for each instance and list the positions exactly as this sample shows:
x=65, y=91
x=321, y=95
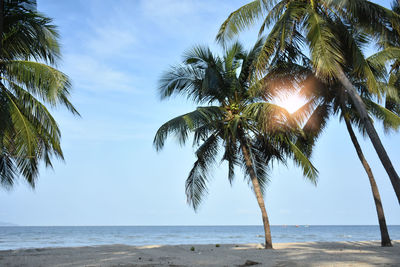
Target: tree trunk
x=1, y=27
x=1, y=24
x=259, y=196
x=385, y=239
x=373, y=135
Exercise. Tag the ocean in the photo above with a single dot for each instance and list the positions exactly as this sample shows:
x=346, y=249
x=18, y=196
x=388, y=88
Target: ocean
x=17, y=237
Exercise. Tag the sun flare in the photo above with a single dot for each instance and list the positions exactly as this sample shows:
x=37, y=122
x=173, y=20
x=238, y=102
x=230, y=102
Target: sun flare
x=290, y=102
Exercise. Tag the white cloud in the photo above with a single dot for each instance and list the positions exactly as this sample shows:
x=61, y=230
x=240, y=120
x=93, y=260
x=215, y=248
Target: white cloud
x=172, y=16
x=111, y=41
x=91, y=73
x=101, y=47
x=113, y=31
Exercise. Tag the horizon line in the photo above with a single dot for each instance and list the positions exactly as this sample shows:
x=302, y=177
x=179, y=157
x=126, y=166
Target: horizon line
x=190, y=225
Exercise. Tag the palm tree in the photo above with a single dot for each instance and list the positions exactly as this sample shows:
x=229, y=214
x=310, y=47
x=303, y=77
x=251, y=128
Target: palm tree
x=327, y=99
x=250, y=131
x=28, y=82
x=349, y=115
x=333, y=101
x=324, y=26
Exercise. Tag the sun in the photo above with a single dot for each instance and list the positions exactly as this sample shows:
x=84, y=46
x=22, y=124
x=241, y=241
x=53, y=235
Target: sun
x=290, y=102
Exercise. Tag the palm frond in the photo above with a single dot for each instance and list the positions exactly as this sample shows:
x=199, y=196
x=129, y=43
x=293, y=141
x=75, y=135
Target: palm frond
x=273, y=15
x=282, y=36
x=40, y=79
x=199, y=78
x=247, y=68
x=390, y=120
x=29, y=34
x=196, y=186
x=269, y=117
x=314, y=127
x=7, y=170
x=230, y=155
x=182, y=125
x=325, y=52
x=381, y=58
x=196, y=183
x=309, y=171
x=239, y=20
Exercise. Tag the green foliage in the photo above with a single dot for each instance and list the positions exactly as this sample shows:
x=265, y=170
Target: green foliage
x=235, y=119
x=240, y=19
x=335, y=33
x=28, y=81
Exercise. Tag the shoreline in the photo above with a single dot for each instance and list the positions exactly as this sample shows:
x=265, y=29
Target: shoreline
x=351, y=253
x=202, y=225
x=185, y=245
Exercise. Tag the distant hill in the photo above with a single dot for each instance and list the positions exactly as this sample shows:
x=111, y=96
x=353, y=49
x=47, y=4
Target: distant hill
x=7, y=224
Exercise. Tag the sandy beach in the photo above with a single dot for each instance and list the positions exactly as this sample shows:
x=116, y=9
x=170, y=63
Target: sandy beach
x=365, y=253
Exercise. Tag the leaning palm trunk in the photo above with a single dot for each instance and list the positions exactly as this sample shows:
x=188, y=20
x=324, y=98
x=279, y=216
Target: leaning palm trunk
x=259, y=196
x=385, y=239
x=373, y=135
x=1, y=23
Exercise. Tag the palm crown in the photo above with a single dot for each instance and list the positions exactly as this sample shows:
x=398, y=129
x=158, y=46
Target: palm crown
x=28, y=132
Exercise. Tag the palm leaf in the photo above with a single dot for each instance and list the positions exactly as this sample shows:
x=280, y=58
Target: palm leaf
x=196, y=183
x=325, y=53
x=390, y=120
x=239, y=20
x=309, y=171
x=40, y=79
x=182, y=125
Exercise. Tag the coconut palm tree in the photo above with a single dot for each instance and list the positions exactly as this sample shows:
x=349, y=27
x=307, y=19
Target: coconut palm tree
x=323, y=27
x=28, y=82
x=350, y=116
x=249, y=131
x=327, y=99
x=330, y=101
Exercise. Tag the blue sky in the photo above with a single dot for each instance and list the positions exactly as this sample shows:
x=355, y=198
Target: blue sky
x=114, y=52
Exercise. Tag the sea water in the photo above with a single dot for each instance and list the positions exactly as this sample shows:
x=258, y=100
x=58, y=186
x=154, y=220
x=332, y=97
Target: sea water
x=16, y=237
